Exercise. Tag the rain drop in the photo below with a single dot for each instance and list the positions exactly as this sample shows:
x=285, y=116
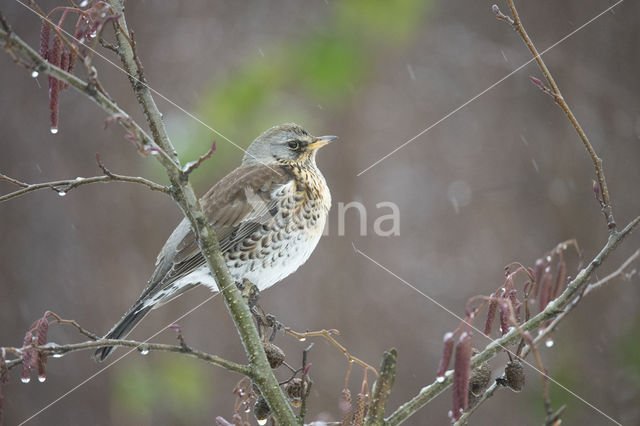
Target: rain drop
x=79, y=178
x=440, y=379
x=84, y=3
x=41, y=379
x=548, y=343
x=53, y=130
x=144, y=351
x=262, y=422
x=247, y=410
x=62, y=193
x=302, y=339
x=25, y=379
x=57, y=355
x=34, y=73
x=411, y=73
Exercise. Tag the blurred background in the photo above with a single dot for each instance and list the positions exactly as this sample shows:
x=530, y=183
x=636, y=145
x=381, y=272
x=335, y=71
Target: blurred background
x=503, y=179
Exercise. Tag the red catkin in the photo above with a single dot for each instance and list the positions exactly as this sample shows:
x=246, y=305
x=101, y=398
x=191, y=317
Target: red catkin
x=55, y=57
x=45, y=31
x=491, y=314
x=447, y=352
x=561, y=279
x=504, y=317
x=537, y=275
x=462, y=369
x=27, y=356
x=546, y=287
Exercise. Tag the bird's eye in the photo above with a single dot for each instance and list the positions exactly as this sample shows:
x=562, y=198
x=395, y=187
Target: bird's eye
x=294, y=145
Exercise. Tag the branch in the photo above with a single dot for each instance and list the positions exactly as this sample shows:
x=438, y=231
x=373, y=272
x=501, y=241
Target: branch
x=549, y=329
x=52, y=349
x=181, y=191
x=553, y=310
x=15, y=45
x=64, y=186
x=184, y=195
x=554, y=91
x=382, y=388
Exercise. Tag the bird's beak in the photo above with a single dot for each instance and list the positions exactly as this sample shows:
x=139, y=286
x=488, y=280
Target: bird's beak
x=321, y=141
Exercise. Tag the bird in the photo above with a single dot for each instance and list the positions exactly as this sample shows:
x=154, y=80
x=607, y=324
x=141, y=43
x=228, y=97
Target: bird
x=268, y=215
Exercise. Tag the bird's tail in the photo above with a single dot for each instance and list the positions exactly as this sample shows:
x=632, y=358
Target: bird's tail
x=122, y=329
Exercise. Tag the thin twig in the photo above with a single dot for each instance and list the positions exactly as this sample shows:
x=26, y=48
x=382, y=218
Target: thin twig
x=14, y=44
x=191, y=166
x=327, y=334
x=64, y=186
x=52, y=349
x=559, y=99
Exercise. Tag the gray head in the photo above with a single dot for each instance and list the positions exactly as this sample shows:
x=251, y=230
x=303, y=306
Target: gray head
x=286, y=143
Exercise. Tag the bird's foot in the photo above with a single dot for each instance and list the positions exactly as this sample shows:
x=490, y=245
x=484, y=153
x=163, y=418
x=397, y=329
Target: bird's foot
x=250, y=292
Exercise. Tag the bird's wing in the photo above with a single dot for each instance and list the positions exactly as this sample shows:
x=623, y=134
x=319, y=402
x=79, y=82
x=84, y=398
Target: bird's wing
x=237, y=206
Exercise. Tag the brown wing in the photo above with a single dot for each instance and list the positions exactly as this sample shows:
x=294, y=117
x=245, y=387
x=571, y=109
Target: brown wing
x=236, y=207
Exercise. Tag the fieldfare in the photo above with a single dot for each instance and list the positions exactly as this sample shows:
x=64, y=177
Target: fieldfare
x=268, y=215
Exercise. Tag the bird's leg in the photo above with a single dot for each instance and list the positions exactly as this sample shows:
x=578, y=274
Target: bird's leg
x=250, y=292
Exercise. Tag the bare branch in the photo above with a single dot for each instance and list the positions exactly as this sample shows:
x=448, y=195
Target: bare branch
x=552, y=310
x=52, y=349
x=62, y=187
x=554, y=91
x=191, y=166
x=327, y=334
x=382, y=388
x=183, y=194
x=15, y=45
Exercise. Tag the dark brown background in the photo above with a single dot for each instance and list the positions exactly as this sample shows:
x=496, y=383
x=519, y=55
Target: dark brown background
x=87, y=256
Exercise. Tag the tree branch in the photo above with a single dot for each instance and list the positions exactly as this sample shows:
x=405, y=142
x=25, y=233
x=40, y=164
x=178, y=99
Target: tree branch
x=553, y=309
x=64, y=186
x=382, y=388
x=52, y=349
x=559, y=99
x=184, y=195
x=181, y=191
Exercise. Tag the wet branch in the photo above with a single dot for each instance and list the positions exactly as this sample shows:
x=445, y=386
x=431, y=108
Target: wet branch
x=64, y=186
x=53, y=349
x=553, y=310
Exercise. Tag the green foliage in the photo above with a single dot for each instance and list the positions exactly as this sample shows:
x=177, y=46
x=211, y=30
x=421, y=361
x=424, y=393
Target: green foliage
x=629, y=353
x=297, y=80
x=166, y=387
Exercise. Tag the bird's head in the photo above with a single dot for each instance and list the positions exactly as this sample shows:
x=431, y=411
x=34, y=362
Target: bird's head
x=285, y=144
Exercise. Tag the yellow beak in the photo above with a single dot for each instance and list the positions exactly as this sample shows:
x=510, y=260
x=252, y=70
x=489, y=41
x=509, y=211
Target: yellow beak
x=321, y=141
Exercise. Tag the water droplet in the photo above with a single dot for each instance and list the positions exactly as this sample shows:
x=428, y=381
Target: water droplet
x=53, y=130
x=262, y=422
x=548, y=343
x=440, y=379
x=62, y=193
x=79, y=178
x=41, y=379
x=84, y=3
x=144, y=351
x=34, y=73
x=57, y=355
x=25, y=379
x=302, y=339
x=247, y=409
x=548, y=258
